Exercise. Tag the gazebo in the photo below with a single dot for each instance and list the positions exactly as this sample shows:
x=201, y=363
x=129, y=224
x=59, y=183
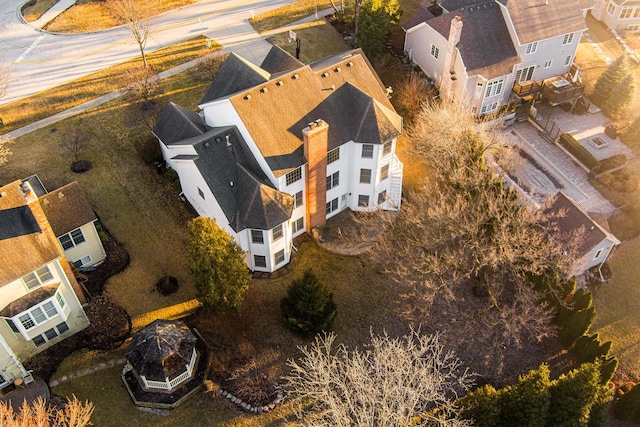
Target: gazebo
x=163, y=356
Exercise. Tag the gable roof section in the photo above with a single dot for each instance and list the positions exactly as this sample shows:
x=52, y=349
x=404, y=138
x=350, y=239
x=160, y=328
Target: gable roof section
x=569, y=217
x=485, y=43
x=420, y=16
x=275, y=113
x=278, y=60
x=177, y=123
x=27, y=242
x=538, y=20
x=67, y=208
x=261, y=206
x=235, y=75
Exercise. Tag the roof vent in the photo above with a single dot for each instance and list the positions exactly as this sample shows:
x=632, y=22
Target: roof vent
x=264, y=90
x=218, y=139
x=206, y=143
x=228, y=140
x=247, y=97
x=295, y=77
x=3, y=194
x=338, y=69
x=231, y=183
x=279, y=83
x=325, y=74
x=349, y=64
x=60, y=195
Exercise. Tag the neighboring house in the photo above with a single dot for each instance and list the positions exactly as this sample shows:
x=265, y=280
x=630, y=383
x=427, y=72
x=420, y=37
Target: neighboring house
x=278, y=149
x=40, y=300
x=73, y=221
x=594, y=240
x=619, y=15
x=488, y=53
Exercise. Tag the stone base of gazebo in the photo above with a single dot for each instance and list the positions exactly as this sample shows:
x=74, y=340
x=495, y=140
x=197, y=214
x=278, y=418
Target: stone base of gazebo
x=162, y=399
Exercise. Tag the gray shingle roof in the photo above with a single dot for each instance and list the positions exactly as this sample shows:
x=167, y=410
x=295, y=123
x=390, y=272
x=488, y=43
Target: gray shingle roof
x=235, y=75
x=278, y=60
x=67, y=208
x=538, y=20
x=177, y=123
x=485, y=44
x=29, y=300
x=569, y=217
x=161, y=350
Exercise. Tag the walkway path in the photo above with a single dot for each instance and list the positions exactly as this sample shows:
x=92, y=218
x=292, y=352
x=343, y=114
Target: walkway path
x=241, y=39
x=51, y=14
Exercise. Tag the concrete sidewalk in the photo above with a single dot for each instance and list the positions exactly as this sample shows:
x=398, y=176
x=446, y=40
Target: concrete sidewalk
x=241, y=39
x=51, y=14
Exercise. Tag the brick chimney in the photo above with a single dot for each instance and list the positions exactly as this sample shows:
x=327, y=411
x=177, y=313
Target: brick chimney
x=448, y=71
x=316, y=137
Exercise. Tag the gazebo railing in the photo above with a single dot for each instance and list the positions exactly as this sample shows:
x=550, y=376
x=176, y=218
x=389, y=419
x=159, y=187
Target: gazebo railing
x=170, y=384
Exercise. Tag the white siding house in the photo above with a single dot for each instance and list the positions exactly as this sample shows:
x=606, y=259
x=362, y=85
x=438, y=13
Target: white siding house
x=476, y=51
x=279, y=149
x=619, y=15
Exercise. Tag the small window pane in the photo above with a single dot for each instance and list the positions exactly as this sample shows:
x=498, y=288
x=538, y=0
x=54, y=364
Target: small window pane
x=31, y=280
x=44, y=274
x=333, y=155
x=27, y=321
x=259, y=261
x=257, y=236
x=201, y=193
x=77, y=236
x=62, y=328
x=386, y=149
x=367, y=151
x=38, y=340
x=298, y=199
x=382, y=197
x=363, y=201
x=50, y=334
x=365, y=176
x=294, y=176
x=66, y=242
x=279, y=256
x=277, y=233
x=50, y=309
x=60, y=300
x=384, y=172
x=38, y=315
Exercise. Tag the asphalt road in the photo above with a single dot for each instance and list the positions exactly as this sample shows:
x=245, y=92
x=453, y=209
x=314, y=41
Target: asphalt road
x=39, y=60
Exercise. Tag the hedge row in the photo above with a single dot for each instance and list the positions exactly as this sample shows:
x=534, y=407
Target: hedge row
x=578, y=151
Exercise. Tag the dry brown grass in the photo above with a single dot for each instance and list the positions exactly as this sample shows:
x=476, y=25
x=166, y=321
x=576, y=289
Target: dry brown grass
x=94, y=15
x=289, y=13
x=47, y=103
x=34, y=9
x=317, y=41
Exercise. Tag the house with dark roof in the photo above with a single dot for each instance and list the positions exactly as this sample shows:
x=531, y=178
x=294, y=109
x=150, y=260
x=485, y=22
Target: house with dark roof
x=487, y=53
x=619, y=15
x=40, y=300
x=588, y=232
x=277, y=150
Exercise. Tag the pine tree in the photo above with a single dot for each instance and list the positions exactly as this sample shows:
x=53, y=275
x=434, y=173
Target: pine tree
x=573, y=395
x=611, y=77
x=631, y=135
x=483, y=406
x=374, y=21
x=221, y=276
x=526, y=403
x=618, y=104
x=308, y=307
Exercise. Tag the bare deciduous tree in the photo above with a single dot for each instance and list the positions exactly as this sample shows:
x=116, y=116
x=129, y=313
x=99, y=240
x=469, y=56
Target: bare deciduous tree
x=463, y=229
x=74, y=414
x=410, y=380
x=135, y=14
x=5, y=152
x=75, y=141
x=5, y=76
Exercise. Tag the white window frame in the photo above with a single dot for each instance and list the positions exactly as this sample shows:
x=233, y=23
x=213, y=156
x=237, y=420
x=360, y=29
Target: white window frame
x=31, y=319
x=365, y=176
x=488, y=108
x=531, y=48
x=201, y=193
x=297, y=225
x=74, y=238
x=278, y=257
x=384, y=172
x=479, y=91
x=386, y=148
x=367, y=151
x=37, y=277
x=567, y=39
x=626, y=13
x=298, y=200
x=332, y=206
x=435, y=51
x=598, y=253
x=363, y=200
x=263, y=260
x=58, y=330
x=548, y=64
x=82, y=261
x=611, y=8
x=634, y=28
x=527, y=72
x=277, y=233
x=255, y=239
x=494, y=88
x=333, y=180
x=333, y=155
x=567, y=61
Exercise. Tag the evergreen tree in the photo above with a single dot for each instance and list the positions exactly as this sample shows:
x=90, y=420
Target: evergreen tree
x=526, y=403
x=618, y=104
x=308, y=307
x=483, y=406
x=631, y=135
x=217, y=261
x=611, y=77
x=375, y=18
x=627, y=407
x=573, y=395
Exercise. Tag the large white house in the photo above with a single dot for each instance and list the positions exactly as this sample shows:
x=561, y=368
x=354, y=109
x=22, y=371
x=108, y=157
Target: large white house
x=486, y=52
x=278, y=149
x=40, y=300
x=619, y=15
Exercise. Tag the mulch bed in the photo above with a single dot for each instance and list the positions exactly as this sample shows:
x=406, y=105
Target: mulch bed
x=117, y=260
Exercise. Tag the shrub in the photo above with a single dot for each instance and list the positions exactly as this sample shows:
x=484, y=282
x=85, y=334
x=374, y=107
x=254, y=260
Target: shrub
x=573, y=395
x=308, y=307
x=576, y=325
x=627, y=407
x=578, y=151
x=482, y=406
x=611, y=163
x=526, y=403
x=588, y=348
x=608, y=369
x=148, y=149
